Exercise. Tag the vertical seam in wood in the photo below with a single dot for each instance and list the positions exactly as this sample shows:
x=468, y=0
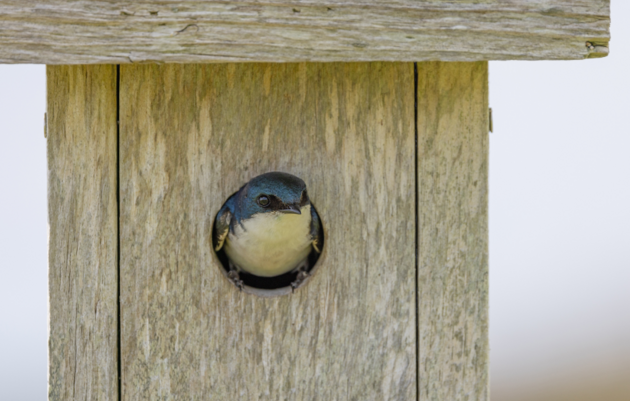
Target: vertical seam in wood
x=119, y=333
x=415, y=193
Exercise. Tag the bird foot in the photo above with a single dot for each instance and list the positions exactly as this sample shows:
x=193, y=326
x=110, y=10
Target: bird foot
x=301, y=277
x=234, y=277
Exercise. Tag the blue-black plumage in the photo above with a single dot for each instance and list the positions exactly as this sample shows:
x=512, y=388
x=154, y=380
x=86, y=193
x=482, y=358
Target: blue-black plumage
x=268, y=227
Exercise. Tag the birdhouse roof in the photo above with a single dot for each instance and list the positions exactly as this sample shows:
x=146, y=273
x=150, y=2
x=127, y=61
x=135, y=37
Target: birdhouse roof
x=194, y=31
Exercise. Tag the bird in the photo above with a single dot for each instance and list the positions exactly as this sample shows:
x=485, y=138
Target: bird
x=268, y=228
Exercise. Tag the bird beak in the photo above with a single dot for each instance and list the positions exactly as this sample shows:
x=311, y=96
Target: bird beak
x=295, y=209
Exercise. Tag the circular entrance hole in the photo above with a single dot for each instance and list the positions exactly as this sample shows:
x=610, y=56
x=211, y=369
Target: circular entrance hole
x=277, y=285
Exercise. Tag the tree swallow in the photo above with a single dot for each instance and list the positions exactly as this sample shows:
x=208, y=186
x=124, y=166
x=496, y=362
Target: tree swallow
x=268, y=228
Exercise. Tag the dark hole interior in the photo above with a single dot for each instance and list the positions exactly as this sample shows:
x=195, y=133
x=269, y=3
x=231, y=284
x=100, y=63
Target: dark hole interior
x=272, y=283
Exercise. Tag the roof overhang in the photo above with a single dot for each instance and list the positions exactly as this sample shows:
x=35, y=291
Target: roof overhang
x=169, y=31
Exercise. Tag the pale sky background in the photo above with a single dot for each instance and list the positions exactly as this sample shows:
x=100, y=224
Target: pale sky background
x=559, y=228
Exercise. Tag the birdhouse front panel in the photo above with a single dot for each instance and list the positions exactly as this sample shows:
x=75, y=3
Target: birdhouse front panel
x=394, y=156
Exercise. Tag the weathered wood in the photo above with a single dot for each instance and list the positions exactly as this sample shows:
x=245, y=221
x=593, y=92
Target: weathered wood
x=453, y=231
x=190, y=135
x=82, y=210
x=174, y=31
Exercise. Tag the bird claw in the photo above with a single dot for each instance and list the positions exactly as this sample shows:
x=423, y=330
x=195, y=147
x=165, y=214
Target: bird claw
x=301, y=277
x=235, y=278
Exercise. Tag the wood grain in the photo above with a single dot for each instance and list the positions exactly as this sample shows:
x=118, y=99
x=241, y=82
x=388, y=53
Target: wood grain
x=191, y=31
x=191, y=135
x=453, y=231
x=82, y=211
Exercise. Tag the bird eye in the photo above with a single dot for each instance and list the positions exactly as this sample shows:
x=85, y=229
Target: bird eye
x=263, y=201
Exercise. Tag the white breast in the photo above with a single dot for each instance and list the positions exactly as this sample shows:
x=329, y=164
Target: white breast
x=270, y=244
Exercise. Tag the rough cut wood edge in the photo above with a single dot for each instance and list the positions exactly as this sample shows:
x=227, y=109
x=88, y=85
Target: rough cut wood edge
x=82, y=216
x=102, y=32
x=453, y=231
x=190, y=135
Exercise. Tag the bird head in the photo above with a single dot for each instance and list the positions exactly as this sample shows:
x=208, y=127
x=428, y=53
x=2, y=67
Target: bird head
x=273, y=192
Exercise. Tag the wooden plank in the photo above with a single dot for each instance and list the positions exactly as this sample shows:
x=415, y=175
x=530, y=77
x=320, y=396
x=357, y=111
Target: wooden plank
x=190, y=31
x=82, y=210
x=191, y=135
x=453, y=231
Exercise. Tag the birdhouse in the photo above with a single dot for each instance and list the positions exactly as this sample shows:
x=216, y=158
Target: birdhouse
x=158, y=111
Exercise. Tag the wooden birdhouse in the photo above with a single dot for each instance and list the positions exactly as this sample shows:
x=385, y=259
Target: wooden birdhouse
x=160, y=110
